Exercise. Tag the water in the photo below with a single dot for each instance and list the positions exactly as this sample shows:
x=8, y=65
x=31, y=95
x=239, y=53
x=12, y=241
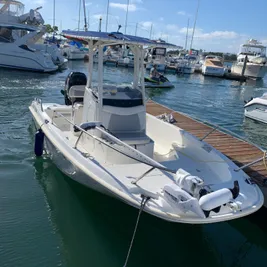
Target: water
x=48, y=220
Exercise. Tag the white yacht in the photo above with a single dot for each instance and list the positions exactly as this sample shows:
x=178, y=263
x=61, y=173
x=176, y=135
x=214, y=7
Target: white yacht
x=256, y=108
x=185, y=63
x=19, y=34
x=256, y=66
x=213, y=66
x=16, y=54
x=106, y=141
x=156, y=55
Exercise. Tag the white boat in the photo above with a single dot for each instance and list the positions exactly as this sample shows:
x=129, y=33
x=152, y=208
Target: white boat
x=16, y=54
x=73, y=50
x=106, y=141
x=185, y=65
x=156, y=55
x=19, y=35
x=256, y=108
x=195, y=57
x=213, y=66
x=255, y=52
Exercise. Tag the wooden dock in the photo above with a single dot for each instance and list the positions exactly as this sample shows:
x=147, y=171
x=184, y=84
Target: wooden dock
x=238, y=150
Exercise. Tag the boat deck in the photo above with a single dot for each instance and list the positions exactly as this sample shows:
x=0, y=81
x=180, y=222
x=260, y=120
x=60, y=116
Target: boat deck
x=239, y=151
x=213, y=63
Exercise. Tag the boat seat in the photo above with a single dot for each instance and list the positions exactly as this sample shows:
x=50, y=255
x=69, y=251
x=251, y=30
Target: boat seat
x=58, y=108
x=76, y=93
x=134, y=138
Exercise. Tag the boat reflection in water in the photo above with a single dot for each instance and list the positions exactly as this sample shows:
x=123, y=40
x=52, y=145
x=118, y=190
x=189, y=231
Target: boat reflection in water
x=95, y=230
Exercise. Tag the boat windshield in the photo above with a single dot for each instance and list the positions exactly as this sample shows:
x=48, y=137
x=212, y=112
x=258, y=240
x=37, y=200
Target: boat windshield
x=191, y=57
x=159, y=51
x=14, y=8
x=6, y=35
x=253, y=50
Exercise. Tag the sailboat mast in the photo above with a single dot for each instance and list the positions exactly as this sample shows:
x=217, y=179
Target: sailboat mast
x=84, y=12
x=150, y=34
x=79, y=19
x=194, y=24
x=107, y=17
x=185, y=46
x=54, y=14
x=126, y=19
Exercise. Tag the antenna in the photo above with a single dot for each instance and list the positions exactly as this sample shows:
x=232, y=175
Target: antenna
x=107, y=17
x=119, y=26
x=100, y=22
x=88, y=18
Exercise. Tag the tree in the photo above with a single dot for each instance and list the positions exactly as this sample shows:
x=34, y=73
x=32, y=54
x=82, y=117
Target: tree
x=50, y=29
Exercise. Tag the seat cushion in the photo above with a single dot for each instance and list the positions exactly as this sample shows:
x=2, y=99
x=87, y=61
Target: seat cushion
x=133, y=138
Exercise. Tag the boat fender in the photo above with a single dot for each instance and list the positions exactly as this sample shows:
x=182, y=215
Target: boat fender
x=218, y=198
x=215, y=199
x=180, y=200
x=39, y=143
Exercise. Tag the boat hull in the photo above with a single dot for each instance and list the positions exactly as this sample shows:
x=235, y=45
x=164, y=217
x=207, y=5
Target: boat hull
x=160, y=67
x=73, y=54
x=256, y=114
x=212, y=71
x=87, y=171
x=254, y=71
x=186, y=70
x=71, y=170
x=21, y=59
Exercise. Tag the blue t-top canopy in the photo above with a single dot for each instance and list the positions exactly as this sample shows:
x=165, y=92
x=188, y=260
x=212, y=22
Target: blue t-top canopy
x=113, y=37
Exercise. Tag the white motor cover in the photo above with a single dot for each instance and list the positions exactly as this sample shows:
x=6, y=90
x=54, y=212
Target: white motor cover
x=181, y=201
x=191, y=184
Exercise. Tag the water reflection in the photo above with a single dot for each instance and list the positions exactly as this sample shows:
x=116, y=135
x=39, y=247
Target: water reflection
x=95, y=230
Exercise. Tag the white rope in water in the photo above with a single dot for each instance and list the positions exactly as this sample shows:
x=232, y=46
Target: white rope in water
x=143, y=203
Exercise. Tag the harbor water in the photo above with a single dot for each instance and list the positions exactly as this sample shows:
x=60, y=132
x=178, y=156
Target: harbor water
x=46, y=219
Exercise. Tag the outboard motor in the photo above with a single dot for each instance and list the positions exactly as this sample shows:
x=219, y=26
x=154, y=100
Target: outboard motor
x=74, y=78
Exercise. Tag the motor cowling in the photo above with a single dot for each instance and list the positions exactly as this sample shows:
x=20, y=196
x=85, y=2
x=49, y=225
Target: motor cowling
x=74, y=78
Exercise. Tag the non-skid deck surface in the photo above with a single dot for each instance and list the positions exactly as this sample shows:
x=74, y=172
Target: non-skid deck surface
x=235, y=149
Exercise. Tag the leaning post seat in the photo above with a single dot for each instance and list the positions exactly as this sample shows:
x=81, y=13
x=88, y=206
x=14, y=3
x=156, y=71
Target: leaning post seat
x=123, y=114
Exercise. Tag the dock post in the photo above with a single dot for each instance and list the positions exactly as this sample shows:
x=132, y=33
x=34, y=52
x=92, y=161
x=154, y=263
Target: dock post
x=244, y=66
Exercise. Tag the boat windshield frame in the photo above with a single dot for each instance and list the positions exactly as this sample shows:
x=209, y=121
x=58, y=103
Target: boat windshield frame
x=252, y=50
x=14, y=8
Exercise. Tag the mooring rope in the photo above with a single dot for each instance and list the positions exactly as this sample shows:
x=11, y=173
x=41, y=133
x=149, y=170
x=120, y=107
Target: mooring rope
x=143, y=203
x=264, y=159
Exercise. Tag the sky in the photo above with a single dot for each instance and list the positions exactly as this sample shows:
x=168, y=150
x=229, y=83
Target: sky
x=220, y=26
